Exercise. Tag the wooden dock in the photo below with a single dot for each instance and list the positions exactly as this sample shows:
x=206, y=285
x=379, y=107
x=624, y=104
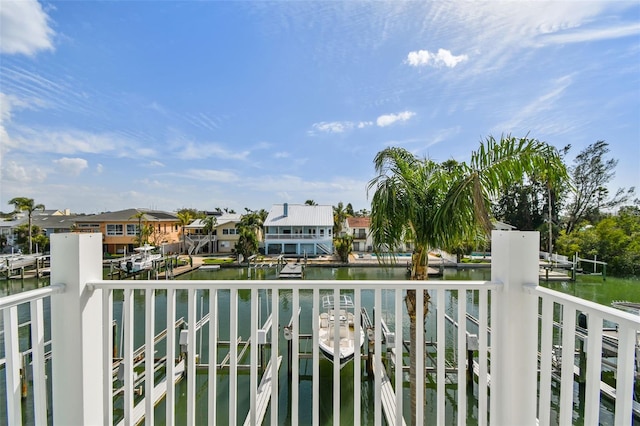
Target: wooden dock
x=263, y=396
x=159, y=391
x=295, y=271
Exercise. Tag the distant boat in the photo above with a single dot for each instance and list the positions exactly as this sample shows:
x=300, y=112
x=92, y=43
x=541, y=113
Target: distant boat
x=140, y=261
x=345, y=320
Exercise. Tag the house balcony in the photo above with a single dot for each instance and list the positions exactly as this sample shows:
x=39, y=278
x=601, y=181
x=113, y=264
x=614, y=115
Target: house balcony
x=229, y=358
x=297, y=237
x=359, y=235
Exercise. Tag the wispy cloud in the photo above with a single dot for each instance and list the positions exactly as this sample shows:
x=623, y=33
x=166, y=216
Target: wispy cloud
x=222, y=176
x=389, y=119
x=591, y=34
x=71, y=166
x=24, y=28
x=420, y=58
x=345, y=126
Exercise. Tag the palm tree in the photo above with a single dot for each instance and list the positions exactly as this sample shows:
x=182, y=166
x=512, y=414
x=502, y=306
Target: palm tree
x=210, y=222
x=185, y=216
x=26, y=205
x=439, y=205
x=310, y=203
x=340, y=214
x=139, y=215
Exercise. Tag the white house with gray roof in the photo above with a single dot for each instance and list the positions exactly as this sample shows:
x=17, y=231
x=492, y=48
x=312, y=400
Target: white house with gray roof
x=299, y=229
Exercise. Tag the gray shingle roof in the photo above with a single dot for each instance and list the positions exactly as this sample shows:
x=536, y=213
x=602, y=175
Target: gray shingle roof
x=127, y=216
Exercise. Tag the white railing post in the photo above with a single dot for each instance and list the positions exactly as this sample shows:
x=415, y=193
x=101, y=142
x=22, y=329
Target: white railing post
x=514, y=263
x=76, y=330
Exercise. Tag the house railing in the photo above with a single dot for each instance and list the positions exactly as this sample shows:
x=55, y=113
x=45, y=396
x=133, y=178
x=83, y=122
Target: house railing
x=513, y=321
x=297, y=237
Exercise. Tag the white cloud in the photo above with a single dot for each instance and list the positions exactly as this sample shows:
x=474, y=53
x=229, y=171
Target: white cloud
x=24, y=28
x=99, y=169
x=211, y=175
x=389, y=119
x=443, y=57
x=281, y=155
x=154, y=164
x=332, y=127
x=189, y=150
x=14, y=172
x=71, y=166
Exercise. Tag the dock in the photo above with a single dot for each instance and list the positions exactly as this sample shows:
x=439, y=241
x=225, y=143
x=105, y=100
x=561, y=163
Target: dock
x=159, y=391
x=295, y=271
x=263, y=396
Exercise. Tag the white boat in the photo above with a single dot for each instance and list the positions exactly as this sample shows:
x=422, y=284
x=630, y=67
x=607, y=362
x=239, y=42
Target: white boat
x=140, y=261
x=345, y=321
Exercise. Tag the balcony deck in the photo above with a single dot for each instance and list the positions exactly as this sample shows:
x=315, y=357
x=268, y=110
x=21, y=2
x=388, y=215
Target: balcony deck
x=521, y=328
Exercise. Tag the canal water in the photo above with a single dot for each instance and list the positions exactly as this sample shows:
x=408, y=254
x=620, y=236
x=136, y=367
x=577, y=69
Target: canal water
x=590, y=288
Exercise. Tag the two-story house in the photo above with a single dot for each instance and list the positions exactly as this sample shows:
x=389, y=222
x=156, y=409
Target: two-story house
x=358, y=228
x=223, y=238
x=299, y=229
x=120, y=229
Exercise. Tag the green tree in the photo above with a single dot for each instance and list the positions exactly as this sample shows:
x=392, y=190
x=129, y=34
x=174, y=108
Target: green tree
x=439, y=205
x=185, y=217
x=247, y=244
x=210, y=222
x=27, y=205
x=340, y=214
x=590, y=173
x=310, y=203
x=343, y=246
x=140, y=215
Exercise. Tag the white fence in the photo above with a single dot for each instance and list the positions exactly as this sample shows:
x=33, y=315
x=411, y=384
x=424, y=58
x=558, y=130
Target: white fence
x=511, y=312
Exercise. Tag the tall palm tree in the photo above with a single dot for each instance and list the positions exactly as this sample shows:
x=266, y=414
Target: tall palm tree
x=439, y=205
x=185, y=217
x=210, y=223
x=26, y=205
x=340, y=214
x=310, y=203
x=139, y=215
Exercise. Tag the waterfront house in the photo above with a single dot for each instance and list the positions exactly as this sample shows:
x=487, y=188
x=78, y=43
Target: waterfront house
x=299, y=229
x=224, y=236
x=358, y=228
x=120, y=229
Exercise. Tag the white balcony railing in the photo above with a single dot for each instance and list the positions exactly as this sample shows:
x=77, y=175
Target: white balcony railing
x=516, y=320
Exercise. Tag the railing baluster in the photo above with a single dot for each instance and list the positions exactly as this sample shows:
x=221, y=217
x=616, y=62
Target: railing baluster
x=568, y=351
x=420, y=345
x=149, y=354
x=12, y=366
x=127, y=359
x=493, y=352
x=315, y=402
x=462, y=352
x=275, y=338
x=546, y=346
x=213, y=356
x=253, y=377
x=625, y=374
x=107, y=367
x=399, y=346
x=190, y=358
x=594, y=368
x=171, y=357
x=441, y=342
x=39, y=375
x=377, y=350
x=483, y=345
x=295, y=356
x=357, y=354
x=233, y=361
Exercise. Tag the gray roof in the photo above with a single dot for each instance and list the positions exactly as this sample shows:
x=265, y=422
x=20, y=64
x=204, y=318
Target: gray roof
x=220, y=220
x=299, y=215
x=127, y=216
x=53, y=222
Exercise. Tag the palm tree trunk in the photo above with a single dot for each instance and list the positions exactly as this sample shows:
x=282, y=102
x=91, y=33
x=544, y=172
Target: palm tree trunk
x=418, y=272
x=30, y=243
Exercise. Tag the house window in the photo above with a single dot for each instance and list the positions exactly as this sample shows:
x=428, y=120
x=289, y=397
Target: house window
x=115, y=229
x=231, y=231
x=132, y=229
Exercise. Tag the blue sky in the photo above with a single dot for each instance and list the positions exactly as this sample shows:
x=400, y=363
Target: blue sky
x=165, y=105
